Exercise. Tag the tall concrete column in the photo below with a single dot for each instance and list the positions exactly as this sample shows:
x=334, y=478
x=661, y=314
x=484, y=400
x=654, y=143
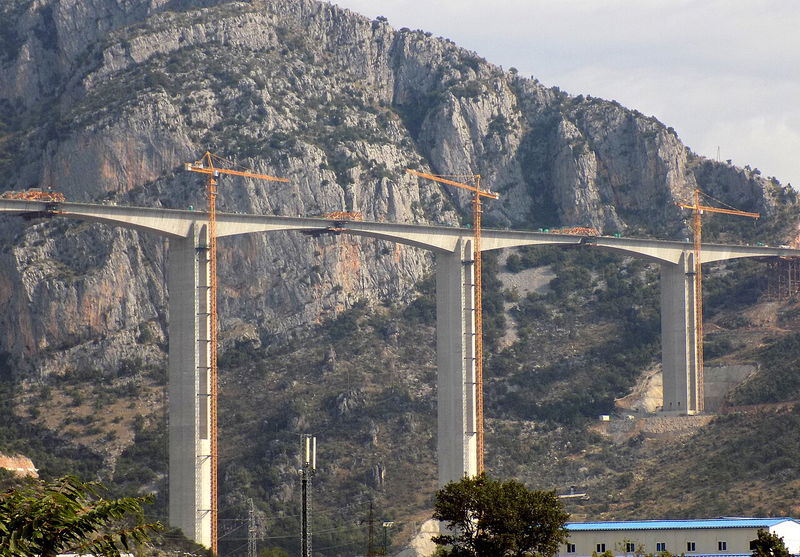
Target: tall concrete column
x=455, y=351
x=189, y=392
x=679, y=354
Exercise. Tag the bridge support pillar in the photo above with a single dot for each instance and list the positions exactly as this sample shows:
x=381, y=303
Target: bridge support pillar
x=189, y=388
x=679, y=344
x=455, y=350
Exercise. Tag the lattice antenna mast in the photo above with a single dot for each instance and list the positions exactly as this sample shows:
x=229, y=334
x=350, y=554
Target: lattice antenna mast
x=206, y=166
x=308, y=451
x=478, y=301
x=697, y=225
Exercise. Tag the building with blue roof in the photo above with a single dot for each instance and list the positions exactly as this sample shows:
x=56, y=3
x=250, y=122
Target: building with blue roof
x=729, y=536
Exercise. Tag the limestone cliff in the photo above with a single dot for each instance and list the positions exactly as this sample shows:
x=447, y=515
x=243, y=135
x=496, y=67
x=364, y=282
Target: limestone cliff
x=105, y=99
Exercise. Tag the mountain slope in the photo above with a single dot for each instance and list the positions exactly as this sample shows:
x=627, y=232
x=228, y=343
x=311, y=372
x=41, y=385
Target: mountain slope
x=105, y=101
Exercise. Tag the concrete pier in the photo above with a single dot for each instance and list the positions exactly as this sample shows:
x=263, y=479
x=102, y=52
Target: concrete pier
x=455, y=357
x=189, y=389
x=679, y=347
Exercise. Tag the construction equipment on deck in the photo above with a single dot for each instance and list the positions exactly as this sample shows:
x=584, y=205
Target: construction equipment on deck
x=34, y=194
x=476, y=227
x=697, y=211
x=343, y=216
x=577, y=231
x=206, y=166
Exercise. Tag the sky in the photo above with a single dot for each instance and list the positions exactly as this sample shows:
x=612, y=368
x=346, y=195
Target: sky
x=725, y=74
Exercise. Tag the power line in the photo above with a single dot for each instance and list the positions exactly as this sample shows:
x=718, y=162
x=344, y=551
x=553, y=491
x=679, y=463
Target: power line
x=228, y=533
x=286, y=536
x=238, y=548
x=353, y=543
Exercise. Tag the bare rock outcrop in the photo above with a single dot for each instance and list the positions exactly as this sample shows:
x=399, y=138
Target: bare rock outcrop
x=19, y=465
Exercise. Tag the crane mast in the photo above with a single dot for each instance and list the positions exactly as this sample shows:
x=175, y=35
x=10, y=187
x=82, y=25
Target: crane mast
x=206, y=166
x=697, y=225
x=478, y=299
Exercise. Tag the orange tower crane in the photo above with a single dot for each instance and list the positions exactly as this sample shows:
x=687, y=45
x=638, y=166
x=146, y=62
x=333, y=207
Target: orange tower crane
x=206, y=166
x=697, y=211
x=476, y=227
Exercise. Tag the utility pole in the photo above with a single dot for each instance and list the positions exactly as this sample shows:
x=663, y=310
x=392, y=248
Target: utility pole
x=371, y=551
x=251, y=529
x=308, y=452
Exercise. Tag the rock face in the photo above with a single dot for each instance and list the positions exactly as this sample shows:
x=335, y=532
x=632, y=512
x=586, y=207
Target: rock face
x=19, y=465
x=105, y=99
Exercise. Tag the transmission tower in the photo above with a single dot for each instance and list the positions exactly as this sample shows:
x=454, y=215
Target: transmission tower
x=251, y=529
x=386, y=525
x=371, y=549
x=308, y=452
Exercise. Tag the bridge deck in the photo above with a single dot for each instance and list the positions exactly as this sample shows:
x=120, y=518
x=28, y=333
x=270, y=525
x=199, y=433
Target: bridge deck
x=177, y=223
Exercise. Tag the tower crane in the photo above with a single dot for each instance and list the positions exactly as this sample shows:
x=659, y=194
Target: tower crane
x=476, y=244
x=206, y=166
x=697, y=213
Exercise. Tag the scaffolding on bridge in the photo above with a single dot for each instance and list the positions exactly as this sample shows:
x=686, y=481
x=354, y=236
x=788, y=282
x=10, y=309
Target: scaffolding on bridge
x=783, y=279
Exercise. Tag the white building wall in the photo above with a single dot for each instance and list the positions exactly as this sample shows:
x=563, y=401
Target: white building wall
x=737, y=540
x=790, y=532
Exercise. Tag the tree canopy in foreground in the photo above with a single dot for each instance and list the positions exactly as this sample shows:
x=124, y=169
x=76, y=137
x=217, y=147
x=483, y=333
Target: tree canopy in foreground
x=768, y=545
x=69, y=516
x=491, y=518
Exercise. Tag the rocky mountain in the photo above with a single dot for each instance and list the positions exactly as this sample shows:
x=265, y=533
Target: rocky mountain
x=104, y=100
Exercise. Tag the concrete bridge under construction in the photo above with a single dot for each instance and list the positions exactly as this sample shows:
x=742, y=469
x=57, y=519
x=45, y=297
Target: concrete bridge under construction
x=189, y=323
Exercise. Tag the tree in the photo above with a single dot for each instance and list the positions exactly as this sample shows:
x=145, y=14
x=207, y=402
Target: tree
x=491, y=518
x=768, y=545
x=68, y=516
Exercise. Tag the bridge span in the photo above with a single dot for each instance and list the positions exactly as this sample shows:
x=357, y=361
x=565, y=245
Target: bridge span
x=189, y=324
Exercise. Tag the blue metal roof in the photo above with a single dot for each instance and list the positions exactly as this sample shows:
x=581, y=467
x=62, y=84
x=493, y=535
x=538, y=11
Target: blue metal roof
x=677, y=524
x=689, y=555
